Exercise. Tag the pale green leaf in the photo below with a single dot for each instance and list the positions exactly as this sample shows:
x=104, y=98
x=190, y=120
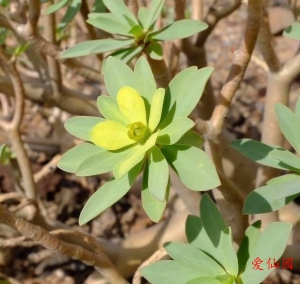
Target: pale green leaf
x=72, y=11
x=168, y=271
x=143, y=16
x=193, y=166
x=109, y=108
x=154, y=50
x=286, y=158
x=248, y=242
x=273, y=196
x=224, y=253
x=81, y=126
x=177, y=30
x=136, y=30
x=174, y=131
x=258, y=152
x=145, y=82
x=57, y=6
x=153, y=207
x=270, y=245
x=95, y=46
x=152, y=13
x=109, y=23
x=158, y=175
x=133, y=158
x=107, y=195
x=102, y=162
x=297, y=109
x=117, y=75
x=191, y=138
x=202, y=280
x=289, y=124
x=121, y=12
x=293, y=31
x=193, y=258
x=72, y=159
x=127, y=54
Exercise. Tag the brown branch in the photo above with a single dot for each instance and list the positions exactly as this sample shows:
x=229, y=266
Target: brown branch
x=13, y=127
x=47, y=48
x=33, y=16
x=213, y=17
x=133, y=5
x=97, y=259
x=241, y=59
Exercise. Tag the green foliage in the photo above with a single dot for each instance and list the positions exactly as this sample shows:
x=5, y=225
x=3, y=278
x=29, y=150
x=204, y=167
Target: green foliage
x=137, y=34
x=210, y=256
x=143, y=130
x=293, y=31
x=279, y=191
x=5, y=154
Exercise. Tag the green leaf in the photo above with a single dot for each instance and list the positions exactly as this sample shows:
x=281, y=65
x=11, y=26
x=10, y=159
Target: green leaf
x=143, y=16
x=193, y=166
x=191, y=138
x=5, y=154
x=218, y=233
x=109, y=23
x=95, y=46
x=80, y=126
x=158, y=174
x=286, y=158
x=71, y=160
x=177, y=86
x=72, y=11
x=212, y=219
x=121, y=12
x=109, y=108
x=293, y=31
x=289, y=124
x=152, y=13
x=98, y=7
x=273, y=196
x=224, y=253
x=111, y=44
x=121, y=168
x=153, y=207
x=249, y=240
x=127, y=54
x=57, y=6
x=102, y=162
x=270, y=245
x=114, y=81
x=193, y=258
x=107, y=195
x=174, y=131
x=168, y=271
x=206, y=280
x=136, y=30
x=145, y=82
x=177, y=30
x=297, y=109
x=258, y=152
x=154, y=50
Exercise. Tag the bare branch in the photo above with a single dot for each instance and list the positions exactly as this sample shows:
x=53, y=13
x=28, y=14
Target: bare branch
x=97, y=259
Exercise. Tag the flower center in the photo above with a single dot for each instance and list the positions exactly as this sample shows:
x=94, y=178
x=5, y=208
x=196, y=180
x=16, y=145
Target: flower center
x=138, y=132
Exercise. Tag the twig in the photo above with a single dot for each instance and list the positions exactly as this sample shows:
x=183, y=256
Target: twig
x=47, y=169
x=100, y=261
x=10, y=196
x=12, y=127
x=133, y=5
x=158, y=255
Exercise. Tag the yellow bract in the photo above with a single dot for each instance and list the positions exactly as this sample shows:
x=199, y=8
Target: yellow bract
x=156, y=108
x=131, y=104
x=110, y=135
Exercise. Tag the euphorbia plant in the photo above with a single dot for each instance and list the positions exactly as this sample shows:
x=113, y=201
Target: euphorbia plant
x=134, y=34
x=144, y=130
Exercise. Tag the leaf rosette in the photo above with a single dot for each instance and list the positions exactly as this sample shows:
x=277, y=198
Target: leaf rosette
x=144, y=130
